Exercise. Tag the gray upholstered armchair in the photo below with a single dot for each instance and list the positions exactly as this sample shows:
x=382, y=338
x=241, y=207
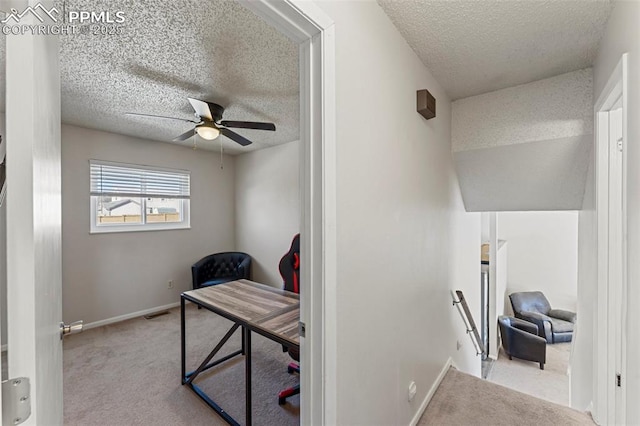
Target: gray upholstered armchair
x=520, y=339
x=555, y=325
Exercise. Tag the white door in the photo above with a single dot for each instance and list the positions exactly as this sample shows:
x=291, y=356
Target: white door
x=610, y=320
x=34, y=303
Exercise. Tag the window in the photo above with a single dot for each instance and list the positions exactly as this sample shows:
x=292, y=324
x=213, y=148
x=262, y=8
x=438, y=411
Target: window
x=129, y=197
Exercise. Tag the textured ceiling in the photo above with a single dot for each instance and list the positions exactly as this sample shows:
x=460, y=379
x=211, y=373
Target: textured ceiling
x=214, y=50
x=473, y=47
x=553, y=108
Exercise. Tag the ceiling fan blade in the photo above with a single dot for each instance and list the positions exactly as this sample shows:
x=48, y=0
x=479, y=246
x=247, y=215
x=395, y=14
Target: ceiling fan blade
x=201, y=108
x=235, y=137
x=135, y=114
x=249, y=125
x=185, y=135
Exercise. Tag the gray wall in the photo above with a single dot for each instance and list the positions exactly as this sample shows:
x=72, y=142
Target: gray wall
x=267, y=207
x=404, y=240
x=109, y=275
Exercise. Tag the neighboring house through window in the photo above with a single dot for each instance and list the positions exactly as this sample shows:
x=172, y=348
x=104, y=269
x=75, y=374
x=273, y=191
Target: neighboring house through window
x=130, y=197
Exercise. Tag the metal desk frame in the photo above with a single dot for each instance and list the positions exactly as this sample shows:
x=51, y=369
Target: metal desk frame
x=247, y=328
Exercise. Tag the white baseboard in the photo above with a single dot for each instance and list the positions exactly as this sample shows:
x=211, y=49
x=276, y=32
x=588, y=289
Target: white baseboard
x=129, y=316
x=432, y=391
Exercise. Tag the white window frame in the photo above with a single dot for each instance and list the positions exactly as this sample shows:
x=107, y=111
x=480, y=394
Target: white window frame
x=96, y=228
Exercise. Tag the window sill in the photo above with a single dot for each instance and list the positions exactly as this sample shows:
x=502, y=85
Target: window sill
x=137, y=228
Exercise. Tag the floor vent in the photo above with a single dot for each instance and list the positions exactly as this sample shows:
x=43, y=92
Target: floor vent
x=155, y=314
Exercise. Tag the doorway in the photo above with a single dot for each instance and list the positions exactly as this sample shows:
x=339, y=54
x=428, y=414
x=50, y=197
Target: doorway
x=536, y=259
x=313, y=31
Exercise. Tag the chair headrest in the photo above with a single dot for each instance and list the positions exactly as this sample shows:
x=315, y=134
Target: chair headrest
x=530, y=301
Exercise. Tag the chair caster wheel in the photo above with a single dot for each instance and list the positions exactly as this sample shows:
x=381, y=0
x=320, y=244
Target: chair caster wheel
x=282, y=401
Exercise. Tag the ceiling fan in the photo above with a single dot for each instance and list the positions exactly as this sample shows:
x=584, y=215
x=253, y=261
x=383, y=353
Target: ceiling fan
x=210, y=124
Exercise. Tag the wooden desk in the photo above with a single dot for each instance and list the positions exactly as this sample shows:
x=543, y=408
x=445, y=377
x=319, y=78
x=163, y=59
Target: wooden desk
x=268, y=311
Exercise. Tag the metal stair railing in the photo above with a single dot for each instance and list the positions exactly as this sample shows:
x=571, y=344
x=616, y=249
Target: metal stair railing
x=467, y=318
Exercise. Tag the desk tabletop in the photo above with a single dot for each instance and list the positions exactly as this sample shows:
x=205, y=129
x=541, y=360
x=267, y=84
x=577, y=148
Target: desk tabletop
x=272, y=310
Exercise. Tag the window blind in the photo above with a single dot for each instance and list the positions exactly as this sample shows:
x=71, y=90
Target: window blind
x=117, y=179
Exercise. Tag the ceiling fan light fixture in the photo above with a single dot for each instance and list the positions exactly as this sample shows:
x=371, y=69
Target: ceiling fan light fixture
x=208, y=132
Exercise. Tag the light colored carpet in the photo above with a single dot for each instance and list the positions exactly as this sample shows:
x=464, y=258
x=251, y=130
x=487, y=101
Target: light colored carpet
x=462, y=399
x=551, y=384
x=129, y=374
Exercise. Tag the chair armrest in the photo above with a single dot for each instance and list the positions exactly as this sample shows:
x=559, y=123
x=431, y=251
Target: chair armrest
x=196, y=271
x=535, y=315
x=542, y=321
x=523, y=325
x=528, y=346
x=528, y=337
x=244, y=269
x=563, y=315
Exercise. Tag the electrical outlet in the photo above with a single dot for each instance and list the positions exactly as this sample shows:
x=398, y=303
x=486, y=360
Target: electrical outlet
x=412, y=390
x=170, y=285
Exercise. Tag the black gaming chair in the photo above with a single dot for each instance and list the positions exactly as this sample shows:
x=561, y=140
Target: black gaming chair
x=290, y=271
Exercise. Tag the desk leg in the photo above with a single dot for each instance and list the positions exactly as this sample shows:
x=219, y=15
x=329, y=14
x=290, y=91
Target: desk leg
x=247, y=347
x=183, y=338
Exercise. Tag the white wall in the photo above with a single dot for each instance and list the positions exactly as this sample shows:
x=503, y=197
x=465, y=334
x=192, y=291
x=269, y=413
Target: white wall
x=582, y=368
x=498, y=266
x=485, y=229
x=543, y=254
x=108, y=275
x=267, y=207
x=502, y=292
x=535, y=136
x=623, y=35
x=404, y=239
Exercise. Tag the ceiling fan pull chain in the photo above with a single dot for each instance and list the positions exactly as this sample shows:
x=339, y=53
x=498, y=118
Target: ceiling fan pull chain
x=221, y=158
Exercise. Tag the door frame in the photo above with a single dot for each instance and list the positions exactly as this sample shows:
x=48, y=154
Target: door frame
x=306, y=24
x=313, y=30
x=609, y=405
